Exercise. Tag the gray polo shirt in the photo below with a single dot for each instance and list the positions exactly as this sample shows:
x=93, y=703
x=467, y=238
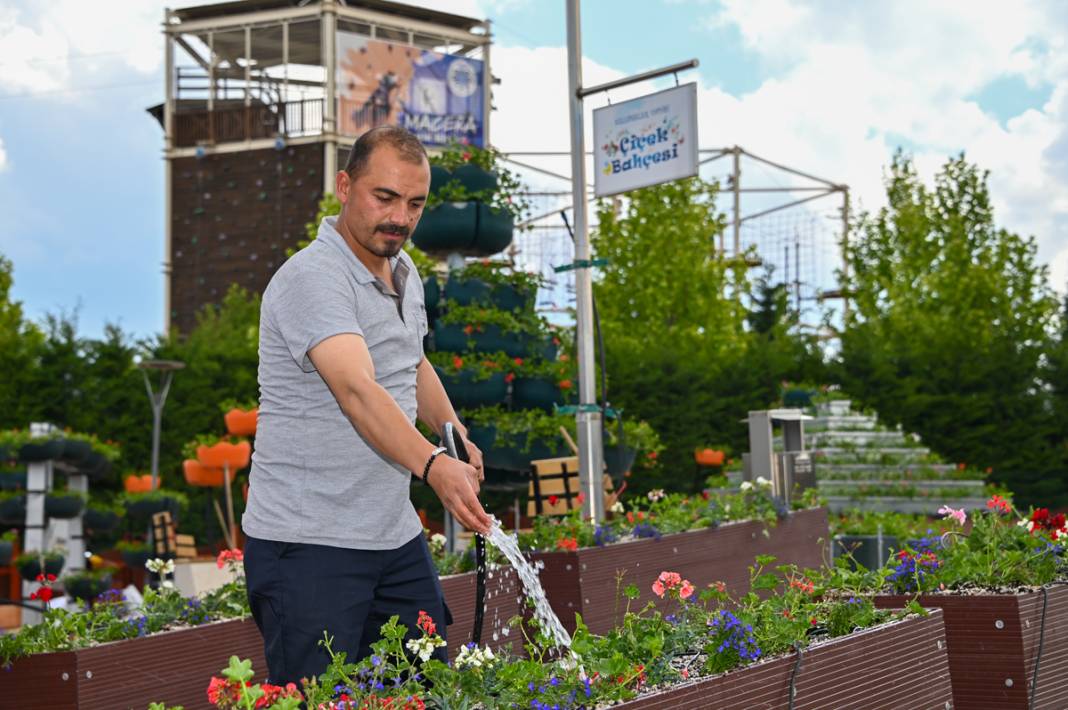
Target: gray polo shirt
x=314, y=478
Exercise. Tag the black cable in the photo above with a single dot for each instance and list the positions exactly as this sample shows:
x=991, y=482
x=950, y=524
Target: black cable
x=793, y=675
x=1041, y=640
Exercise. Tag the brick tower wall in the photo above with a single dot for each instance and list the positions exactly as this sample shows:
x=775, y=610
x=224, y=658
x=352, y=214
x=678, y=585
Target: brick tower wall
x=233, y=217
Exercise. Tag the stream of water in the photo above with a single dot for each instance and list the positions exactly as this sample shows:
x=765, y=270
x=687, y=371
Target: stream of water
x=508, y=544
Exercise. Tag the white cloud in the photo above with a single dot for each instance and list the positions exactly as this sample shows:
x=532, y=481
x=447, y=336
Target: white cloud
x=4, y=163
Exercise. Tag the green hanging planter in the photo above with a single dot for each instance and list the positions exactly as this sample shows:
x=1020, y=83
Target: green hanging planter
x=536, y=393
x=619, y=459
x=467, y=392
x=13, y=510
x=467, y=291
x=98, y=520
x=6, y=549
x=431, y=293
x=495, y=231
x=43, y=450
x=29, y=569
x=475, y=178
x=75, y=451
x=86, y=587
x=12, y=480
x=58, y=505
x=448, y=227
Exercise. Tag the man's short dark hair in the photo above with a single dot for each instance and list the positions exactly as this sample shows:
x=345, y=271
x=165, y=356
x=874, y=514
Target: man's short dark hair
x=400, y=139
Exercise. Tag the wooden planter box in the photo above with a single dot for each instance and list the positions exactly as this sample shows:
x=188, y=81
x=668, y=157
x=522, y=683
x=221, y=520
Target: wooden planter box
x=503, y=591
x=896, y=666
x=172, y=667
x=584, y=581
x=993, y=643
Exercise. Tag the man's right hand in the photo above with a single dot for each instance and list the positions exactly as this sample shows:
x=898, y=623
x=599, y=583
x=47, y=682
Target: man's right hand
x=456, y=484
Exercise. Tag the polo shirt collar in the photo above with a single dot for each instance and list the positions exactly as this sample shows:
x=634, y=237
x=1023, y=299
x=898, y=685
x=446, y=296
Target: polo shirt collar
x=328, y=234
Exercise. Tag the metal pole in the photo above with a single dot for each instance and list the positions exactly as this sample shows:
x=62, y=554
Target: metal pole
x=591, y=452
x=845, y=253
x=157, y=400
x=736, y=179
x=330, y=123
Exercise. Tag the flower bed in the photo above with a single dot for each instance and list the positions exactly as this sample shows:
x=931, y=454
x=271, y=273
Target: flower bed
x=993, y=643
x=898, y=665
x=584, y=580
x=501, y=604
x=168, y=667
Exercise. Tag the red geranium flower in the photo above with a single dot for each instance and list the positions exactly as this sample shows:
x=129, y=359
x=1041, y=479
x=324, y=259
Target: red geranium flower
x=426, y=623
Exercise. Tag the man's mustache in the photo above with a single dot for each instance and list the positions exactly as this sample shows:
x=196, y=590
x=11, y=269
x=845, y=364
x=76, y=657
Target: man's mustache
x=398, y=229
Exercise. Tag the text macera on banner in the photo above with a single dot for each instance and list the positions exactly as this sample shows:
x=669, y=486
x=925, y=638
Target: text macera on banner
x=438, y=97
x=645, y=141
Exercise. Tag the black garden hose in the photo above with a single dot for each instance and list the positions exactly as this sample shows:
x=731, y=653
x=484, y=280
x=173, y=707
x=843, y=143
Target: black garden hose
x=456, y=449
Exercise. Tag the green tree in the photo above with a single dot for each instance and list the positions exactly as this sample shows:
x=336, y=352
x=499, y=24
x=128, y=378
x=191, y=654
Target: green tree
x=683, y=349
x=20, y=343
x=951, y=318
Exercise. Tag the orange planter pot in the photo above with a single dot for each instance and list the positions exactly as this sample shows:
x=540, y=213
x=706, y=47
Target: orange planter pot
x=708, y=457
x=223, y=454
x=139, y=484
x=197, y=474
x=241, y=423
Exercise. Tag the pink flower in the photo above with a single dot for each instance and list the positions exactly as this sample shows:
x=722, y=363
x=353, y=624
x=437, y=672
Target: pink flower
x=998, y=504
x=670, y=579
x=959, y=515
x=658, y=589
x=686, y=590
x=228, y=556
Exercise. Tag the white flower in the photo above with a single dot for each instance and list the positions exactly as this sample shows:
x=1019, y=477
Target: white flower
x=438, y=541
x=160, y=567
x=424, y=646
x=617, y=507
x=1029, y=524
x=656, y=494
x=747, y=485
x=761, y=481
x=472, y=656
x=167, y=584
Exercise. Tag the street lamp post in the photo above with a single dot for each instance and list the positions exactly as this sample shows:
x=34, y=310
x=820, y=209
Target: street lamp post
x=166, y=370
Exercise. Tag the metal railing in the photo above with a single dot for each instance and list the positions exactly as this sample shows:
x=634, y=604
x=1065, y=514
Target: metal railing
x=234, y=122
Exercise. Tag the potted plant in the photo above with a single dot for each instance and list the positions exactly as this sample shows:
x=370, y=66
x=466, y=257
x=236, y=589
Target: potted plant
x=29, y=563
x=198, y=475
x=100, y=517
x=12, y=507
x=510, y=440
x=7, y=546
x=475, y=328
x=88, y=584
x=709, y=456
x=151, y=502
x=100, y=457
x=64, y=504
x=493, y=284
x=240, y=416
x=135, y=553
x=542, y=383
x=224, y=452
x=12, y=478
x=76, y=447
x=621, y=449
x=465, y=213
x=472, y=380
x=139, y=483
x=41, y=448
x=1002, y=589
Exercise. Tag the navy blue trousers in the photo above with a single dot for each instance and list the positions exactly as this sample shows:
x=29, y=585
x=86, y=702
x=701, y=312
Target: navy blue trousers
x=298, y=591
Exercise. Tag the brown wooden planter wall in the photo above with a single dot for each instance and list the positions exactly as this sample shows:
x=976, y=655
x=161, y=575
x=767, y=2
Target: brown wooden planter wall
x=584, y=581
x=893, y=667
x=993, y=643
x=173, y=668
x=502, y=603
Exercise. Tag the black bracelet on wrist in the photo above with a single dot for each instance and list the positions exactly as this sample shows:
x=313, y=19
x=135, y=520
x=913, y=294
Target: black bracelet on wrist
x=429, y=462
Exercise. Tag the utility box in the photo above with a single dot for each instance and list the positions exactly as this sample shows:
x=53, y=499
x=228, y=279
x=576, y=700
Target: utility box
x=790, y=469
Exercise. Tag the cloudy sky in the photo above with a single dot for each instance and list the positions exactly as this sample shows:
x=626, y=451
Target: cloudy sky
x=832, y=87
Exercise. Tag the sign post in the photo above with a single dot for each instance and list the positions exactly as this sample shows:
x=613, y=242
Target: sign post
x=589, y=416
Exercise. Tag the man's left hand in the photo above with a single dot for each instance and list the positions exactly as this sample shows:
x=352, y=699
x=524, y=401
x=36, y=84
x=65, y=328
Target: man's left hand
x=475, y=454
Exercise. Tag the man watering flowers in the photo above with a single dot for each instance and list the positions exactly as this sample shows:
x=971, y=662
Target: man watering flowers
x=334, y=543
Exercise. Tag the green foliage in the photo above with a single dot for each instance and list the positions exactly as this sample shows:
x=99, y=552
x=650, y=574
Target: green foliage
x=506, y=197
x=951, y=318
x=685, y=350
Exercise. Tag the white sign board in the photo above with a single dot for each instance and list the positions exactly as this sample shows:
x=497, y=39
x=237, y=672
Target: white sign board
x=645, y=141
